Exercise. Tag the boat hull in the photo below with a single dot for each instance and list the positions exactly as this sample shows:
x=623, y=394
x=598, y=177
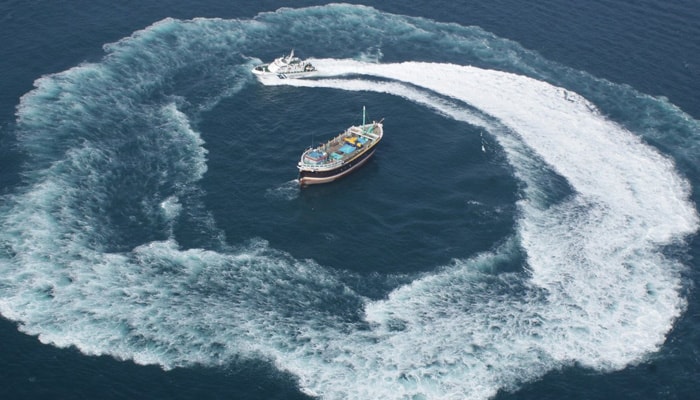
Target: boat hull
x=275, y=76
x=284, y=68
x=307, y=177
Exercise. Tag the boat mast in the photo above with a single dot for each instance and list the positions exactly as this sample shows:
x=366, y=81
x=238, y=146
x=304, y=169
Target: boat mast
x=363, y=115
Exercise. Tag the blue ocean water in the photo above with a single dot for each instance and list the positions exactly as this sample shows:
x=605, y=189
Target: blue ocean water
x=527, y=229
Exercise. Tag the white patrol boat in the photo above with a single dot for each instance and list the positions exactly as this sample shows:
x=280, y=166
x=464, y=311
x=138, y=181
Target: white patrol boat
x=284, y=67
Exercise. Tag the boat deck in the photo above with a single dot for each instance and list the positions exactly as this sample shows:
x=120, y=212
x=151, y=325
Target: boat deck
x=341, y=148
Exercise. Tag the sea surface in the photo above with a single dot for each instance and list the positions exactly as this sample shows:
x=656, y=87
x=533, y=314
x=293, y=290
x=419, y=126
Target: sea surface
x=527, y=229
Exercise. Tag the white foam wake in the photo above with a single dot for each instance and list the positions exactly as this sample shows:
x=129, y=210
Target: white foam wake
x=599, y=293
x=598, y=290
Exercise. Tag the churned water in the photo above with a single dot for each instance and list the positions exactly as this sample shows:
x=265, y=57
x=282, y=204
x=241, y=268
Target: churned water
x=527, y=228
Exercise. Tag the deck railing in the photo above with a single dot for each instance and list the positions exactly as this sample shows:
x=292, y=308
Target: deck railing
x=335, y=142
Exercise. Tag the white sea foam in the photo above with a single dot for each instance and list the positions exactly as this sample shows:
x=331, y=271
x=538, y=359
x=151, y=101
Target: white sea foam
x=286, y=191
x=599, y=293
x=598, y=290
x=171, y=208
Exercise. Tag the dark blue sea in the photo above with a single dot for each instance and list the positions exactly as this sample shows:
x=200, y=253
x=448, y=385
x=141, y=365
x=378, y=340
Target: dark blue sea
x=527, y=229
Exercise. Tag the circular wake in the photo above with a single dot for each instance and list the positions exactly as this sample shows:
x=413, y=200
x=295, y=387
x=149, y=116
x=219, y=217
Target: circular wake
x=90, y=256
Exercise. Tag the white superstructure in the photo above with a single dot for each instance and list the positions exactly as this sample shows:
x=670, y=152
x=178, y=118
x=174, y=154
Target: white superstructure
x=284, y=67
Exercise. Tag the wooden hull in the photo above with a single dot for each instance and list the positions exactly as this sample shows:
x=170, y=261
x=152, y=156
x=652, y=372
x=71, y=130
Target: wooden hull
x=317, y=177
x=340, y=155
